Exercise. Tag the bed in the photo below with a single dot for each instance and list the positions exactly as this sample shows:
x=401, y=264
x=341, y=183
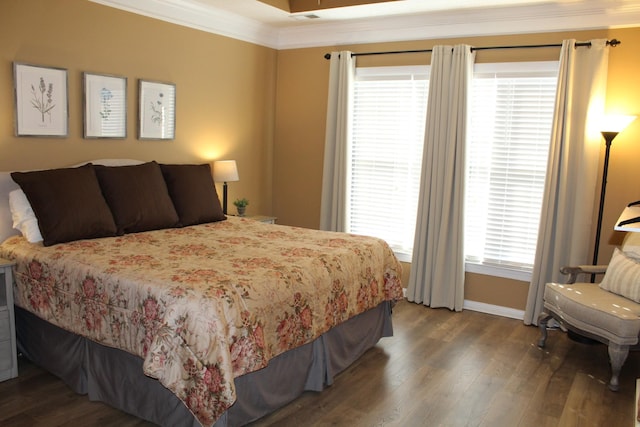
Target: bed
x=169, y=311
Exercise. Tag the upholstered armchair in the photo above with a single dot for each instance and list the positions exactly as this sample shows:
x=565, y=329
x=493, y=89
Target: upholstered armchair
x=608, y=312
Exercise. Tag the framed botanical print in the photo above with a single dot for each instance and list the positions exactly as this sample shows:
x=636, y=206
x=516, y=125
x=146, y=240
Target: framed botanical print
x=41, y=100
x=105, y=106
x=157, y=110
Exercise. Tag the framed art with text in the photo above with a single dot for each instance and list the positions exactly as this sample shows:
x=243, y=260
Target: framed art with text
x=41, y=100
x=105, y=106
x=157, y=110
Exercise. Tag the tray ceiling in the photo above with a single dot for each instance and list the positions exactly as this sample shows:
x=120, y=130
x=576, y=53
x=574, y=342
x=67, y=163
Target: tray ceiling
x=287, y=24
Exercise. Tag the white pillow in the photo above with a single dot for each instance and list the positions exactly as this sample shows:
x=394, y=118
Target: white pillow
x=24, y=220
x=622, y=276
x=631, y=245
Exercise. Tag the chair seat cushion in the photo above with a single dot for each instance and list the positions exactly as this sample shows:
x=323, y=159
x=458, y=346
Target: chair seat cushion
x=588, y=307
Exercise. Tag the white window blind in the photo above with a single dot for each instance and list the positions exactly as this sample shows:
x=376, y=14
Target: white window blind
x=511, y=110
x=507, y=148
x=386, y=154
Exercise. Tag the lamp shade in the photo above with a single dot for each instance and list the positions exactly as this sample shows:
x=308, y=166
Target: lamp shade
x=615, y=123
x=225, y=171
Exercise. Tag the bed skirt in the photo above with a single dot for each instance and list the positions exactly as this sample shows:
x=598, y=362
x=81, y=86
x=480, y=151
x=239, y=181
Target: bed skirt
x=115, y=377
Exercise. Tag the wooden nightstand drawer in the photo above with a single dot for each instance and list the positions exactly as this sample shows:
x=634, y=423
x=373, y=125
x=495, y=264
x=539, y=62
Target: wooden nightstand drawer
x=6, y=357
x=8, y=354
x=5, y=326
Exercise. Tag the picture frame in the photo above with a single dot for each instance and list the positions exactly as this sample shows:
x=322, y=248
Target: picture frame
x=157, y=110
x=41, y=100
x=105, y=106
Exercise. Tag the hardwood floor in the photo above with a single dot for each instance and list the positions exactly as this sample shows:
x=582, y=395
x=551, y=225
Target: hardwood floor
x=440, y=369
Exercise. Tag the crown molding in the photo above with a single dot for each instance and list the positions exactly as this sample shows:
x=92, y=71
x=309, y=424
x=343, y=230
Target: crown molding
x=194, y=15
x=465, y=23
x=546, y=17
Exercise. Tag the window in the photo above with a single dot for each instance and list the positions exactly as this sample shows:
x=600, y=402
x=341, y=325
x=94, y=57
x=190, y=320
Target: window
x=386, y=154
x=511, y=114
x=511, y=110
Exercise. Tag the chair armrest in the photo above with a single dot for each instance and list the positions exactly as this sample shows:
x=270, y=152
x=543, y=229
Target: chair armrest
x=574, y=271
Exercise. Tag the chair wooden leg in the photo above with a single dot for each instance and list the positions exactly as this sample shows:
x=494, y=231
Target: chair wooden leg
x=543, y=319
x=617, y=355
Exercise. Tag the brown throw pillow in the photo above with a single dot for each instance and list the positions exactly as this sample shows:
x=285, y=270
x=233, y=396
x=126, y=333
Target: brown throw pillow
x=193, y=193
x=137, y=196
x=68, y=204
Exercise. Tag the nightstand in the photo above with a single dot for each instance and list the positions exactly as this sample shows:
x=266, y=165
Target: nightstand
x=263, y=218
x=8, y=355
x=636, y=413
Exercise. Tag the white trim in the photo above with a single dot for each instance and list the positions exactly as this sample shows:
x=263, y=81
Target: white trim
x=481, y=307
x=422, y=71
x=488, y=270
x=528, y=68
x=195, y=15
x=546, y=17
x=496, y=310
x=559, y=16
x=403, y=257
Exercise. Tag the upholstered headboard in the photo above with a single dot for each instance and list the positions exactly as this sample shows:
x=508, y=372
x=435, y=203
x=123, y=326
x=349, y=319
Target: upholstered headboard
x=7, y=185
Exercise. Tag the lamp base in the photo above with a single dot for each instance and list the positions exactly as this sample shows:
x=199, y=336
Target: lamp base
x=224, y=198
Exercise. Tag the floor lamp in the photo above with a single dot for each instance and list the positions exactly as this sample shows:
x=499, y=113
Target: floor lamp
x=225, y=171
x=611, y=127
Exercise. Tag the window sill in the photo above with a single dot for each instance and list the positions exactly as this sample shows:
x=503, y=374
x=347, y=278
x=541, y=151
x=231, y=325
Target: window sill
x=470, y=267
x=403, y=257
x=523, y=276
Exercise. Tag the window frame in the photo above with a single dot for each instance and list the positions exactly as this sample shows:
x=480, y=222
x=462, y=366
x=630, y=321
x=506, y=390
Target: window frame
x=393, y=73
x=531, y=69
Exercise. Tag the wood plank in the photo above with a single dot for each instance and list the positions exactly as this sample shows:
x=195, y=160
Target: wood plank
x=440, y=368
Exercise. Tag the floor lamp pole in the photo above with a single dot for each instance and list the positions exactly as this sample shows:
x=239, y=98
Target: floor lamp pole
x=608, y=138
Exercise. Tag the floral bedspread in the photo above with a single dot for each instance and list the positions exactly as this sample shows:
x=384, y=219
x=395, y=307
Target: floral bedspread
x=205, y=304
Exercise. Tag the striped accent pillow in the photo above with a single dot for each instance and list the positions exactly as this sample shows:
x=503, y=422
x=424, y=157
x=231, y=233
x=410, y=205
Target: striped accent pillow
x=631, y=245
x=622, y=276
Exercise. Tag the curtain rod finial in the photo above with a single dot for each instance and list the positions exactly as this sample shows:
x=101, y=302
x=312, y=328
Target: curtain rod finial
x=327, y=56
x=613, y=42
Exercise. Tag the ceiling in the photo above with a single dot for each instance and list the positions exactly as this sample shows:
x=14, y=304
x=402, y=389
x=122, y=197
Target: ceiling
x=269, y=22
x=261, y=11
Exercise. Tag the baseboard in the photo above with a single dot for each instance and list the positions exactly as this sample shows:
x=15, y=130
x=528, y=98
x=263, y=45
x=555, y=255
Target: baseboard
x=497, y=310
x=482, y=307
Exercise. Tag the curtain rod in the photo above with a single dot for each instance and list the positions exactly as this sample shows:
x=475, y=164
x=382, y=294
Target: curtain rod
x=612, y=42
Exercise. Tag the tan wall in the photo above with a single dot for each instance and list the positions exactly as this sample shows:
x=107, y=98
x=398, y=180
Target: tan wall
x=301, y=103
x=231, y=103
x=225, y=89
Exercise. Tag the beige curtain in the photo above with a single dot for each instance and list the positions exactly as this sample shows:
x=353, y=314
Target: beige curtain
x=570, y=187
x=437, y=267
x=334, y=176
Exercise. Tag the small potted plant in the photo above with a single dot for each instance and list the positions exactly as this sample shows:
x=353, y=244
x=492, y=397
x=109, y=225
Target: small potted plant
x=241, y=205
